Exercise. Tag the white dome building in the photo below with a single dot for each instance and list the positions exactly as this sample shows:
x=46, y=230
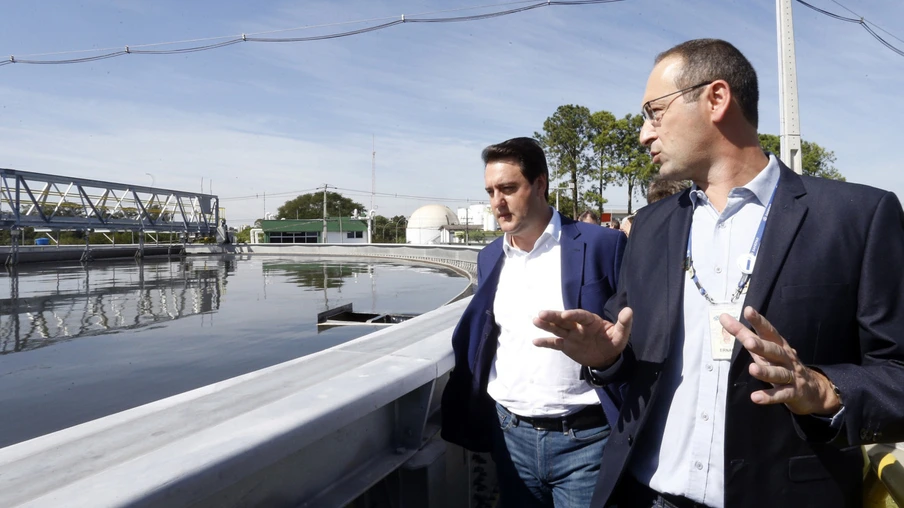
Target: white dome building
x=425, y=223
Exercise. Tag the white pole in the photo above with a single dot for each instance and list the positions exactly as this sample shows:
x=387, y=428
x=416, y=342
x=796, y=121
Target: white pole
x=789, y=112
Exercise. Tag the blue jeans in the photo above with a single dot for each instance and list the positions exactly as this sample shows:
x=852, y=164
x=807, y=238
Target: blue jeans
x=542, y=468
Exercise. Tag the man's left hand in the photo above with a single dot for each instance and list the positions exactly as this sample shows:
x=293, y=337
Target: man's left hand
x=803, y=390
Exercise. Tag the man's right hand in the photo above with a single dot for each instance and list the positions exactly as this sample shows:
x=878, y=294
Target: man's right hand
x=584, y=336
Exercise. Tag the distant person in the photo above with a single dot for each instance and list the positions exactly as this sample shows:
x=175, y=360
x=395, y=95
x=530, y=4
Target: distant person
x=627, y=223
x=616, y=224
x=223, y=233
x=765, y=311
x=589, y=217
x=662, y=188
x=504, y=395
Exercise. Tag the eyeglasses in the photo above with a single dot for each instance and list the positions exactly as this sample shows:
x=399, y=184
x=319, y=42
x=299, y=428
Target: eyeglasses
x=655, y=117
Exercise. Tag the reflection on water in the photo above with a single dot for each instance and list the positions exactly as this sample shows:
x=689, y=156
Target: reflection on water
x=80, y=342
x=314, y=276
x=81, y=301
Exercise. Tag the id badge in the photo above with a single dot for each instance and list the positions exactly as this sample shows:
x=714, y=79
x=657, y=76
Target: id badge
x=722, y=341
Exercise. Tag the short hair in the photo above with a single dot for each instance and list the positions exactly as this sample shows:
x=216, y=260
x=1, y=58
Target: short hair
x=527, y=152
x=591, y=214
x=661, y=188
x=711, y=59
x=616, y=224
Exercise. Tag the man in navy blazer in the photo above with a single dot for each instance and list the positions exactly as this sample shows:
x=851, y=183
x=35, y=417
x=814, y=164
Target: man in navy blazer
x=504, y=395
x=776, y=417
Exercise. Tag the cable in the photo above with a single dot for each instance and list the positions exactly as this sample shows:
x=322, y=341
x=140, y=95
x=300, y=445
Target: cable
x=274, y=194
x=863, y=22
x=870, y=22
x=408, y=196
x=354, y=192
x=327, y=36
x=230, y=40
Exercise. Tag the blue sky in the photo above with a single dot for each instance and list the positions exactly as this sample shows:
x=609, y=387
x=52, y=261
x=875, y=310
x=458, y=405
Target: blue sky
x=278, y=118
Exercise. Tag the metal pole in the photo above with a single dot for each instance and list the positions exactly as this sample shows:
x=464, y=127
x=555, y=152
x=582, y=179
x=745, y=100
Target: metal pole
x=789, y=113
x=467, y=222
x=324, y=214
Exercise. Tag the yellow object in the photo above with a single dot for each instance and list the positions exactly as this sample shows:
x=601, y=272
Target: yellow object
x=886, y=461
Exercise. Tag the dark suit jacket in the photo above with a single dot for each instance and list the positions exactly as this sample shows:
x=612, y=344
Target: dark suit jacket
x=591, y=258
x=830, y=278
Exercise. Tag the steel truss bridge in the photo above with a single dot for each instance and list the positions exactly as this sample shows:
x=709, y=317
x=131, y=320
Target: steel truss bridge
x=53, y=202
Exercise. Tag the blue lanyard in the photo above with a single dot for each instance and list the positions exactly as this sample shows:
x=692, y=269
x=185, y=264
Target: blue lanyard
x=754, y=249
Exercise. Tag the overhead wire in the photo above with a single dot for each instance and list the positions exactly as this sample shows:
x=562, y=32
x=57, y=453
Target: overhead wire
x=868, y=21
x=863, y=22
x=254, y=37
x=355, y=192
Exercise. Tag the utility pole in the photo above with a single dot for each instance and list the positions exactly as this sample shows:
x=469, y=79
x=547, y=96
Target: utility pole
x=325, y=186
x=789, y=112
x=373, y=188
x=467, y=222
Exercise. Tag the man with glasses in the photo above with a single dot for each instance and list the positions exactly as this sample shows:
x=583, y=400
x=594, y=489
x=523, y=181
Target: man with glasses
x=759, y=337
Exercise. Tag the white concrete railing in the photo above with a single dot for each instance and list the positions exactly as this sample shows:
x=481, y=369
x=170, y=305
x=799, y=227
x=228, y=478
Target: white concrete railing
x=317, y=431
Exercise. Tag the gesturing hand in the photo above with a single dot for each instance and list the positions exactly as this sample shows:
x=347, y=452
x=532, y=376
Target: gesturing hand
x=803, y=390
x=584, y=336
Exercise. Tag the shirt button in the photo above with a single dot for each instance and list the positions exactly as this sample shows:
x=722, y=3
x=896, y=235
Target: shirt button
x=698, y=465
x=709, y=367
x=718, y=269
x=705, y=417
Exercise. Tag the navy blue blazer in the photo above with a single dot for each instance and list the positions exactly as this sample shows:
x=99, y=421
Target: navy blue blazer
x=591, y=261
x=830, y=278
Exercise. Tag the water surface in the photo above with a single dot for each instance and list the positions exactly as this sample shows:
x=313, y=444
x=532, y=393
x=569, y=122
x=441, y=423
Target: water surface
x=78, y=342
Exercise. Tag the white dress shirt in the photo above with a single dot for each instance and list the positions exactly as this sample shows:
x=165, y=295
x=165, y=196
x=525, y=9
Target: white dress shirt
x=529, y=380
x=682, y=453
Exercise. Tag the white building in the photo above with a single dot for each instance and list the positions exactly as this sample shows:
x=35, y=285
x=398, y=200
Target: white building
x=424, y=225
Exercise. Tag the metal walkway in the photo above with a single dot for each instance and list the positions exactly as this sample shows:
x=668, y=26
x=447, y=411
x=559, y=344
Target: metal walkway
x=56, y=202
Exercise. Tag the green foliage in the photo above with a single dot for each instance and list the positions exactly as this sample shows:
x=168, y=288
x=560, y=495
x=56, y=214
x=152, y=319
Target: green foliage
x=390, y=230
x=600, y=171
x=597, y=148
x=565, y=204
x=626, y=160
x=243, y=236
x=310, y=206
x=566, y=140
x=816, y=160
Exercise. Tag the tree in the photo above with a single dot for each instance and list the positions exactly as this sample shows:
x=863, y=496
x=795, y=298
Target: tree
x=564, y=202
x=310, y=206
x=816, y=160
x=400, y=223
x=389, y=230
x=566, y=140
x=243, y=236
x=601, y=124
x=380, y=235
x=623, y=157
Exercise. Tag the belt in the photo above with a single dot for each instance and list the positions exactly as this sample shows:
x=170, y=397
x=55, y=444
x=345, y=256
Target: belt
x=632, y=493
x=587, y=418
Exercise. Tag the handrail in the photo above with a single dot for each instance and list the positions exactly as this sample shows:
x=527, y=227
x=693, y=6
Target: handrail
x=885, y=462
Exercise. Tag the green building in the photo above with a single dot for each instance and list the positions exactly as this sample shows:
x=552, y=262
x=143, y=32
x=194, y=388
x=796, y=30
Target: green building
x=339, y=230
